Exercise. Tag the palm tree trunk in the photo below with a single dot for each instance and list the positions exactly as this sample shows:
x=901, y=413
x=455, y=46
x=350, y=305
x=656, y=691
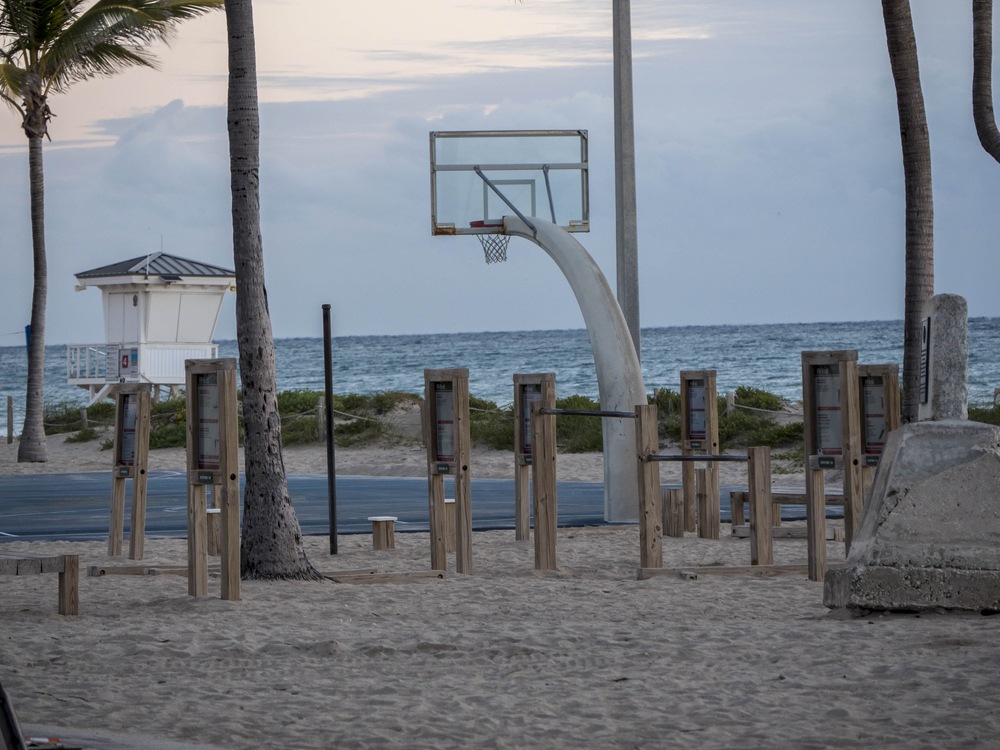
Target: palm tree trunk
x=32, y=445
x=982, y=77
x=902, y=45
x=272, y=539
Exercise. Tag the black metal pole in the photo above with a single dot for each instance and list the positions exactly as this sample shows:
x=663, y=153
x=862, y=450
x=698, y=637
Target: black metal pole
x=331, y=468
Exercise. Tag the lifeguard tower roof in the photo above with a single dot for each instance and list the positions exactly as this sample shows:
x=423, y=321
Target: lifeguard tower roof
x=166, y=267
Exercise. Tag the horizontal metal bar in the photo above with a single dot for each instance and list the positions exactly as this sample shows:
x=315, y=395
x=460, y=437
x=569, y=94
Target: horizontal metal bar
x=711, y=458
x=586, y=413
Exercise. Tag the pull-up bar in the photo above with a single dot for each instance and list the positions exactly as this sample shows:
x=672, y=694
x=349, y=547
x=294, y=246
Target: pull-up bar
x=710, y=457
x=588, y=413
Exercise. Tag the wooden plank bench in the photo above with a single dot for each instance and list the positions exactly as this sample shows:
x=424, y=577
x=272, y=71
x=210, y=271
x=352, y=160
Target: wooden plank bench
x=67, y=566
x=779, y=497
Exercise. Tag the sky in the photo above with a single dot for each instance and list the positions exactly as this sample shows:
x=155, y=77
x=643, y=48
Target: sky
x=768, y=168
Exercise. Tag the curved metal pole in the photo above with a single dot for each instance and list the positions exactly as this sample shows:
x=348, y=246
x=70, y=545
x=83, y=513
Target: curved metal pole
x=619, y=375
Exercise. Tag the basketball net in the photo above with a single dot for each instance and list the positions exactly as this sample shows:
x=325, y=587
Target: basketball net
x=494, y=247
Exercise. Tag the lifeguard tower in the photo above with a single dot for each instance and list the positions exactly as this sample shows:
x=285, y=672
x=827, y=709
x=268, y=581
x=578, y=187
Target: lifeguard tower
x=159, y=310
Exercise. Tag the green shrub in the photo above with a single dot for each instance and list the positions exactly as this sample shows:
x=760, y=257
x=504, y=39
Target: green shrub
x=755, y=398
x=83, y=436
x=171, y=434
x=989, y=413
x=579, y=434
x=491, y=426
x=62, y=417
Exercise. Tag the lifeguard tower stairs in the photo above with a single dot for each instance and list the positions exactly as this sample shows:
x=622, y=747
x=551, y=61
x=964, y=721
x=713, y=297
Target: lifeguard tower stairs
x=159, y=310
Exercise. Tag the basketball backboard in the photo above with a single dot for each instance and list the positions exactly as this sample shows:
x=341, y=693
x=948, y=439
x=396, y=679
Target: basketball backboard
x=480, y=176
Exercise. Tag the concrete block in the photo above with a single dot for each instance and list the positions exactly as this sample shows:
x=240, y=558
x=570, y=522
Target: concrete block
x=930, y=533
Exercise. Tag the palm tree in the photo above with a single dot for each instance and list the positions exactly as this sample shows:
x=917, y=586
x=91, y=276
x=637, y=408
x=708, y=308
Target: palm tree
x=982, y=77
x=916, y=143
x=45, y=47
x=272, y=538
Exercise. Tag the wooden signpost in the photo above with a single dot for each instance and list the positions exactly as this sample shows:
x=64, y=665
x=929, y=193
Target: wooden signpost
x=528, y=389
x=212, y=460
x=879, y=404
x=700, y=436
x=131, y=461
x=446, y=435
x=832, y=441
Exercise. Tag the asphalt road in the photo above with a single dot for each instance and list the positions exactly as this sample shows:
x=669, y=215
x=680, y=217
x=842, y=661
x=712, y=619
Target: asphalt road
x=75, y=506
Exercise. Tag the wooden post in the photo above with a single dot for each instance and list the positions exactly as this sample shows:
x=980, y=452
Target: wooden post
x=759, y=481
x=140, y=480
x=543, y=480
x=673, y=513
x=688, y=493
x=447, y=437
x=197, y=541
x=709, y=513
x=69, y=585
x=736, y=515
x=647, y=443
x=449, y=522
x=832, y=428
x=522, y=502
x=699, y=432
x=229, y=489
x=84, y=421
x=321, y=415
x=880, y=414
x=213, y=460
x=463, y=479
x=131, y=460
x=816, y=524
x=528, y=388
x=116, y=527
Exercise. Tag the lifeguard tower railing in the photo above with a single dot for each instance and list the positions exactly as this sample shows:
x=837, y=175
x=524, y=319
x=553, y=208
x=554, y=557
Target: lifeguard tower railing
x=158, y=364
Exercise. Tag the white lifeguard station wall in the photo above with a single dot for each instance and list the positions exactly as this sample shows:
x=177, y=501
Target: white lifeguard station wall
x=159, y=310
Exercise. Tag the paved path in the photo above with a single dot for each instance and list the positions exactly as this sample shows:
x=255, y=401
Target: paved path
x=75, y=506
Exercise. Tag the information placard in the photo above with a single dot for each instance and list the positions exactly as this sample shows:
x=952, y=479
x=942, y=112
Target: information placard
x=444, y=421
x=826, y=387
x=208, y=450
x=530, y=393
x=697, y=423
x=129, y=418
x=873, y=414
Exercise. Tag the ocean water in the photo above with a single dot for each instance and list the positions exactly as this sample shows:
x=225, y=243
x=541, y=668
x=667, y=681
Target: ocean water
x=762, y=356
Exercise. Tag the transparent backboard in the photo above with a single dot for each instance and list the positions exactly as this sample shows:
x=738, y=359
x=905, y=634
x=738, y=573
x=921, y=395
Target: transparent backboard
x=480, y=176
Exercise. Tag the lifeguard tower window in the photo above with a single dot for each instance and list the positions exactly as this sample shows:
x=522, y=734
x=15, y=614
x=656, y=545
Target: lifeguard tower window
x=479, y=177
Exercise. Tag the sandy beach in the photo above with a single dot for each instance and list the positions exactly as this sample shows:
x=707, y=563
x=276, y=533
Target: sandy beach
x=586, y=656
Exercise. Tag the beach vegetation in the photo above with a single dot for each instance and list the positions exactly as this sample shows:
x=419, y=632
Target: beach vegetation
x=988, y=413
x=86, y=435
x=491, y=425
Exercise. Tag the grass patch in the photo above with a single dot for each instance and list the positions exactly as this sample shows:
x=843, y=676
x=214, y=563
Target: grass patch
x=988, y=413
x=85, y=435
